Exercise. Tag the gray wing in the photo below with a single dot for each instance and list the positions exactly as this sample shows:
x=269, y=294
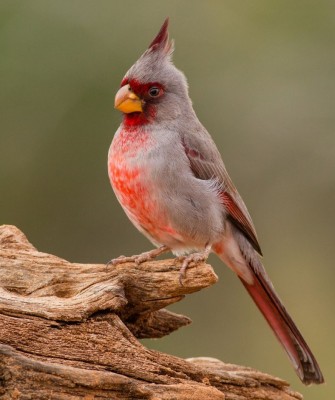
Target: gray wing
x=206, y=163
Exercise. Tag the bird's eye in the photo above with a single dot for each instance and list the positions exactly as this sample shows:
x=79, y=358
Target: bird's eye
x=154, y=91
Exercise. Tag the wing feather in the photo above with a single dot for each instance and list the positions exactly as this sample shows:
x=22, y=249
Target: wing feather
x=206, y=163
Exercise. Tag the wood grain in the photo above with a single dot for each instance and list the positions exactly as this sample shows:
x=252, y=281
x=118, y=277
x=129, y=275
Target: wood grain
x=70, y=331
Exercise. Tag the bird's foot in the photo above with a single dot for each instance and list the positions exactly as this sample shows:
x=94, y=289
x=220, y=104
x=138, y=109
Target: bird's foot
x=194, y=257
x=139, y=258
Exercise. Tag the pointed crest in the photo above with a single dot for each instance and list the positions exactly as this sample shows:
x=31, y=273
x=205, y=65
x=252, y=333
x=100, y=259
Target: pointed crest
x=161, y=41
x=155, y=64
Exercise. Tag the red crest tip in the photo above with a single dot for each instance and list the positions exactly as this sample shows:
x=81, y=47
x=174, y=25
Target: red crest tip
x=162, y=36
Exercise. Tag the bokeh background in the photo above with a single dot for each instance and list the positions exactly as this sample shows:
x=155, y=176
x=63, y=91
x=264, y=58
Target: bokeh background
x=262, y=79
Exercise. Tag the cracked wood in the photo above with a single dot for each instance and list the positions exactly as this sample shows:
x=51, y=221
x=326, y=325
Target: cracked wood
x=70, y=331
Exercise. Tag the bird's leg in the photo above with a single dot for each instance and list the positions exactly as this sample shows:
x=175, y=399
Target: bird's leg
x=139, y=258
x=194, y=257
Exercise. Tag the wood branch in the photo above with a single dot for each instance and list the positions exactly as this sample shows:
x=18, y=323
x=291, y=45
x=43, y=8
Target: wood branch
x=70, y=330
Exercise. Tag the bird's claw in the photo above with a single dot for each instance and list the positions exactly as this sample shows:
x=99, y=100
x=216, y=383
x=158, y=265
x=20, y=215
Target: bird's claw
x=122, y=260
x=194, y=257
x=139, y=258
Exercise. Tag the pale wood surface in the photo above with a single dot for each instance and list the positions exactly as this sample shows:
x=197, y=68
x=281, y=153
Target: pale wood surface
x=70, y=331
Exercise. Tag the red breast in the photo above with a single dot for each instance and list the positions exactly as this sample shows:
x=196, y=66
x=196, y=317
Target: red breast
x=129, y=176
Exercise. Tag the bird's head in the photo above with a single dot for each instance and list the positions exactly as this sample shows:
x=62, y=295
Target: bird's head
x=153, y=90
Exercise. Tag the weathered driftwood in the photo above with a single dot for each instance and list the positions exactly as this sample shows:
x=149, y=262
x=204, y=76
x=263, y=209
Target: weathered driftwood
x=69, y=331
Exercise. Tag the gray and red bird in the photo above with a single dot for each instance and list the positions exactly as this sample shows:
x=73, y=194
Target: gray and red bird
x=169, y=177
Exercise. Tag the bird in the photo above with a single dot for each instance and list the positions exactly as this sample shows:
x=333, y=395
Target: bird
x=170, y=179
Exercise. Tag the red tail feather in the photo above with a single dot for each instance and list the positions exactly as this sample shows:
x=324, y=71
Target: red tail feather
x=285, y=329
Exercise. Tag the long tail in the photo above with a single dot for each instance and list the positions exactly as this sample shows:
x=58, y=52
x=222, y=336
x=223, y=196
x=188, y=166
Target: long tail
x=255, y=279
x=284, y=328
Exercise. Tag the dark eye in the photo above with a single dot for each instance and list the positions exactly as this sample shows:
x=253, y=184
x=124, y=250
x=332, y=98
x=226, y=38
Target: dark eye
x=154, y=91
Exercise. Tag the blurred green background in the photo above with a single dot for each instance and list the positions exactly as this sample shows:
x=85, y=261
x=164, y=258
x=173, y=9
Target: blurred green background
x=262, y=79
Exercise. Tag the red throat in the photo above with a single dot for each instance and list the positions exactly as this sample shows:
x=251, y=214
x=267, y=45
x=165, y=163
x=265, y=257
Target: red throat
x=135, y=119
x=140, y=118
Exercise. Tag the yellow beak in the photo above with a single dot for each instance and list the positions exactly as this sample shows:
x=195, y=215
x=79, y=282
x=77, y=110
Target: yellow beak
x=127, y=101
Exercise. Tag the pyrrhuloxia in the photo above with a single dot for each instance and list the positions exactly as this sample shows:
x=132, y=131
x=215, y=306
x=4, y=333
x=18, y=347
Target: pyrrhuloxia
x=170, y=179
